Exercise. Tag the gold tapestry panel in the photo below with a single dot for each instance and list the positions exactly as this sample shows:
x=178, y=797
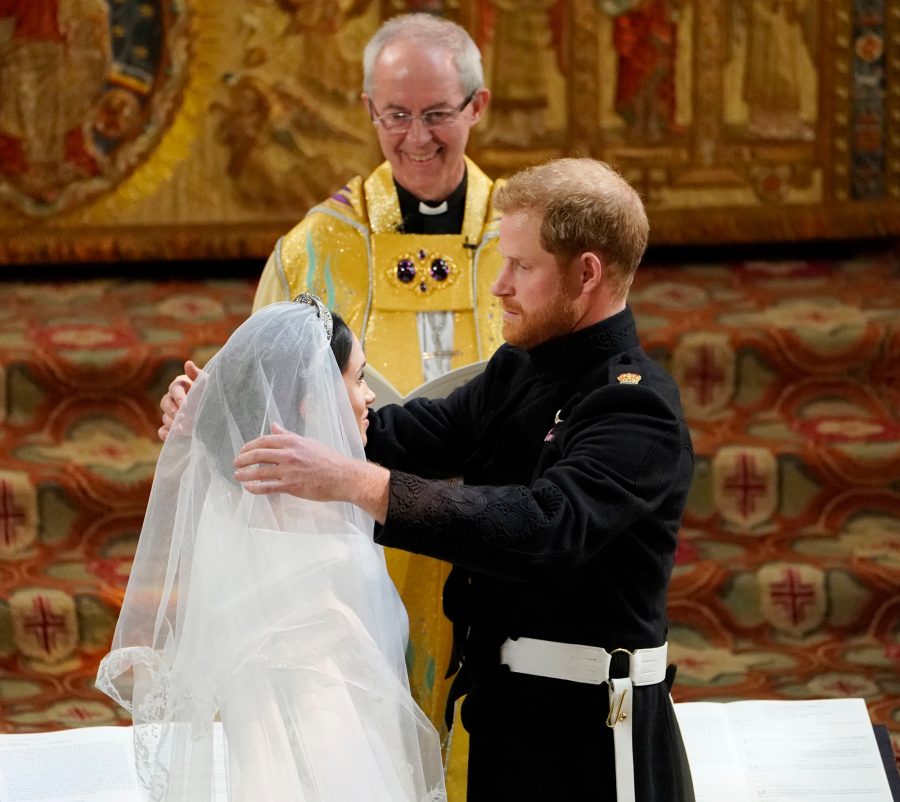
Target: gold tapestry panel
x=148, y=129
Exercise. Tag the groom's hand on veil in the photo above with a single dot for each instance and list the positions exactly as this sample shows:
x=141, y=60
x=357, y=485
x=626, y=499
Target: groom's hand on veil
x=284, y=462
x=171, y=402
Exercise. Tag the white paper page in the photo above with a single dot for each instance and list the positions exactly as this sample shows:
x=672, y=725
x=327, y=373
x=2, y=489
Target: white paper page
x=816, y=751
x=443, y=385
x=89, y=764
x=92, y=764
x=219, y=751
x=440, y=387
x=716, y=766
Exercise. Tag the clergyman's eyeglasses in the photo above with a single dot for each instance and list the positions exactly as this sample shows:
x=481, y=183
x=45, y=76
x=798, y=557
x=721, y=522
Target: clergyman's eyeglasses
x=397, y=122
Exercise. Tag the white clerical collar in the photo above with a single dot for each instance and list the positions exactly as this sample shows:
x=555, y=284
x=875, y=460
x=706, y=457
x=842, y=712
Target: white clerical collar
x=424, y=208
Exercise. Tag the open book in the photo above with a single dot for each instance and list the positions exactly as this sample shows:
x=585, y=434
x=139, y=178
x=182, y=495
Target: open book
x=441, y=387
x=822, y=750
x=90, y=764
x=816, y=751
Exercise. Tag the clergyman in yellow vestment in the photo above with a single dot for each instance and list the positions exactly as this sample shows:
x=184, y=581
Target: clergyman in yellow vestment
x=407, y=257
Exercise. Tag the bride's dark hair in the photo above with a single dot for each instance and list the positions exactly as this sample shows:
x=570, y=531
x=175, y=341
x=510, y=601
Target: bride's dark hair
x=341, y=341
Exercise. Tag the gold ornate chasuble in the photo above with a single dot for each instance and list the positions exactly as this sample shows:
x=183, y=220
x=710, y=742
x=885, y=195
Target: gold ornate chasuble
x=348, y=251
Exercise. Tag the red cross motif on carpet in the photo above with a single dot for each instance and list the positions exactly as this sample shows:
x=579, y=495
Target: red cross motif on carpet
x=81, y=714
x=704, y=376
x=17, y=513
x=792, y=594
x=793, y=597
x=704, y=368
x=745, y=485
x=78, y=713
x=45, y=624
x=12, y=516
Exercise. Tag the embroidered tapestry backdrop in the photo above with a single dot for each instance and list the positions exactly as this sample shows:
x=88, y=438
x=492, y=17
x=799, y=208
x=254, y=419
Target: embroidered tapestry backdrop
x=146, y=129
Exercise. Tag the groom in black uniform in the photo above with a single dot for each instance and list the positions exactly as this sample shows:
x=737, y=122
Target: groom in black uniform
x=576, y=464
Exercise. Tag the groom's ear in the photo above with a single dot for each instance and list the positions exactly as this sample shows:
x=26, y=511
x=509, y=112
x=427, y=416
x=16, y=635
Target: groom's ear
x=590, y=269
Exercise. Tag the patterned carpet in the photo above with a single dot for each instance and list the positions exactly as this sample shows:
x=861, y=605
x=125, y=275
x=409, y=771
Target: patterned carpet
x=82, y=368
x=787, y=583
x=788, y=577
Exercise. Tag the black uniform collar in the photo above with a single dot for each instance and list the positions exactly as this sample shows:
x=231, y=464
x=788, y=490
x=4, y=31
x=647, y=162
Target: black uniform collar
x=450, y=222
x=584, y=348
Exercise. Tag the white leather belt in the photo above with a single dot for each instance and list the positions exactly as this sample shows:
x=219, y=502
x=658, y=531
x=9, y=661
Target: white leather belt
x=590, y=664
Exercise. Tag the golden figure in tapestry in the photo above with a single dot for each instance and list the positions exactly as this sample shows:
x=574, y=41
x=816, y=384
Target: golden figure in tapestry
x=295, y=101
x=270, y=136
x=525, y=55
x=54, y=58
x=772, y=59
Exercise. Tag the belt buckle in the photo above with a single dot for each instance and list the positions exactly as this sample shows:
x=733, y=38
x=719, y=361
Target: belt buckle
x=613, y=718
x=617, y=651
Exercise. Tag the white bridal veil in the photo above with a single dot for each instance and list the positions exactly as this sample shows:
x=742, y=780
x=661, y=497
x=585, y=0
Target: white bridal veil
x=274, y=614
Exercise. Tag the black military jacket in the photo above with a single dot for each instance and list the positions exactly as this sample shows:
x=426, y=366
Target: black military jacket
x=576, y=463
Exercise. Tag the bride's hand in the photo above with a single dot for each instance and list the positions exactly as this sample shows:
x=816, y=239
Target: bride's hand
x=284, y=462
x=171, y=402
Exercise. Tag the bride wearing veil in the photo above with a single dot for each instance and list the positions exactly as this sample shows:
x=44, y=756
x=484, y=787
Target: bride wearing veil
x=274, y=614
